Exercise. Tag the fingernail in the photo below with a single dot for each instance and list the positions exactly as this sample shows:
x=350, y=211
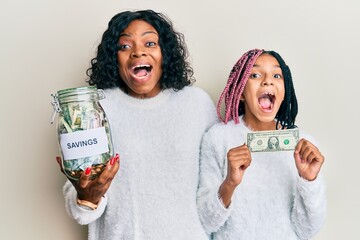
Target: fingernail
x=87, y=171
x=57, y=159
x=112, y=161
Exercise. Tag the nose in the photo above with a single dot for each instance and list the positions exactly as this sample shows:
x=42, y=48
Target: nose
x=267, y=81
x=138, y=51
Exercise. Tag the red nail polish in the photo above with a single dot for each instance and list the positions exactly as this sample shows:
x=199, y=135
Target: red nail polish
x=117, y=157
x=112, y=161
x=88, y=171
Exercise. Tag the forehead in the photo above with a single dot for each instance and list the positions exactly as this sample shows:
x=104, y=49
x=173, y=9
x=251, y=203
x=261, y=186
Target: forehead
x=138, y=27
x=266, y=60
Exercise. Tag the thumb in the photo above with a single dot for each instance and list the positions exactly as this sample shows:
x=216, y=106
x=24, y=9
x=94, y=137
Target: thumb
x=297, y=157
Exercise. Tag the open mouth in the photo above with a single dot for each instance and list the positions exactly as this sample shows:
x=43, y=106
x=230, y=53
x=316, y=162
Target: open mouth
x=266, y=101
x=141, y=71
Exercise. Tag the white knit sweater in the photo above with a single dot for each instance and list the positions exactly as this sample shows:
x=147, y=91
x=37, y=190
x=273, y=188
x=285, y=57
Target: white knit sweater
x=153, y=196
x=272, y=201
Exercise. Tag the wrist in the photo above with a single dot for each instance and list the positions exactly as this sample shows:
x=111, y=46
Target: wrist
x=225, y=193
x=308, y=178
x=229, y=185
x=87, y=204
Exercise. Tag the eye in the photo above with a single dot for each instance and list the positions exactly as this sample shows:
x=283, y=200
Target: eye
x=150, y=44
x=123, y=47
x=255, y=75
x=277, y=76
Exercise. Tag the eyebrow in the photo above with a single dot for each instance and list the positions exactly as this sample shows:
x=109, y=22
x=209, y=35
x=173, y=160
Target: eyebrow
x=143, y=34
x=276, y=66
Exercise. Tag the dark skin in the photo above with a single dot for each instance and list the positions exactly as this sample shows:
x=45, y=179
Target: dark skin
x=94, y=190
x=266, y=76
x=139, y=46
x=308, y=161
x=239, y=159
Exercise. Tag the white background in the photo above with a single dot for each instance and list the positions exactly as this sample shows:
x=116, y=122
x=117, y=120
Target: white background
x=46, y=45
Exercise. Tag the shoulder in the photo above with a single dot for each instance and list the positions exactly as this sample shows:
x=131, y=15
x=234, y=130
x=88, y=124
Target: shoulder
x=195, y=98
x=111, y=93
x=229, y=133
x=194, y=93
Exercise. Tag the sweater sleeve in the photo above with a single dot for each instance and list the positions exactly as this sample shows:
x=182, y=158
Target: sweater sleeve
x=81, y=214
x=309, y=209
x=212, y=212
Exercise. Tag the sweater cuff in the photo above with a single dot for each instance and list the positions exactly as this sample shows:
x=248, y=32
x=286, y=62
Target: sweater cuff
x=310, y=186
x=312, y=192
x=81, y=214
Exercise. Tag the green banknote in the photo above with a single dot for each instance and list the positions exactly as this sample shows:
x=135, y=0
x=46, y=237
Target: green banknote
x=270, y=141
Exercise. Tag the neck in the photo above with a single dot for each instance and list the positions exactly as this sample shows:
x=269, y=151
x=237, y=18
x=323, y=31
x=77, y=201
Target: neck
x=257, y=125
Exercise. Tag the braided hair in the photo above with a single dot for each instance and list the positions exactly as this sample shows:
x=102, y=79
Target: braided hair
x=235, y=86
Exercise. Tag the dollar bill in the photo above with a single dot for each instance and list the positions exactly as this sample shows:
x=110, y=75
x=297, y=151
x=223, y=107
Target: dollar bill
x=270, y=141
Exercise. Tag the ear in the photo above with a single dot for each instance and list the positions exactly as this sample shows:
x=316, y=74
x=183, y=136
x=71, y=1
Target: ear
x=242, y=98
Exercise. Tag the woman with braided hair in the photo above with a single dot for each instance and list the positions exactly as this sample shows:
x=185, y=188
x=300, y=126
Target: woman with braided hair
x=282, y=195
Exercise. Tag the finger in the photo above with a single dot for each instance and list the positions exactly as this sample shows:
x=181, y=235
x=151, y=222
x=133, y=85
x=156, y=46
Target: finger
x=298, y=158
x=299, y=145
x=114, y=163
x=311, y=157
x=238, y=149
x=110, y=171
x=238, y=161
x=241, y=163
x=85, y=178
x=304, y=153
x=307, y=150
x=248, y=162
x=241, y=152
x=59, y=161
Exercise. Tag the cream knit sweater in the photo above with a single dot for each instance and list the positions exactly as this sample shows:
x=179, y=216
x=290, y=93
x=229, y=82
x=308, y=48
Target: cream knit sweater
x=153, y=196
x=272, y=201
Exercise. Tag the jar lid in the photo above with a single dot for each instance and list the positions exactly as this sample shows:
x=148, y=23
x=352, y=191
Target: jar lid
x=76, y=91
x=80, y=94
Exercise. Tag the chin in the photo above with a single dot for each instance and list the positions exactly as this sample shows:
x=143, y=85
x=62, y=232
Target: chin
x=266, y=119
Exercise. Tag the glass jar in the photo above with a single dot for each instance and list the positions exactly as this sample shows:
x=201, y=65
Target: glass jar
x=83, y=131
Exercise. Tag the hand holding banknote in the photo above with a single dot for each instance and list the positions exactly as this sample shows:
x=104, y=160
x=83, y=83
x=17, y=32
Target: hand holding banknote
x=308, y=159
x=307, y=156
x=238, y=159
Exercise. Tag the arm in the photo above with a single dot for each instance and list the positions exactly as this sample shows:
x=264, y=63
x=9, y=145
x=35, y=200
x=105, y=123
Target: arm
x=81, y=214
x=309, y=209
x=92, y=191
x=213, y=168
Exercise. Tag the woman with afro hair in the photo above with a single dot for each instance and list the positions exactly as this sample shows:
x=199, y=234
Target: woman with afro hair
x=157, y=121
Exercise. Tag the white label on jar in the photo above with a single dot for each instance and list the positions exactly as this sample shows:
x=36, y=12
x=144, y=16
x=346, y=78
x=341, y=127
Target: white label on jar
x=84, y=143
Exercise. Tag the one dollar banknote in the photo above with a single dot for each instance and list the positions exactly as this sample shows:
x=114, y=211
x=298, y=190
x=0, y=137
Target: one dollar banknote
x=270, y=141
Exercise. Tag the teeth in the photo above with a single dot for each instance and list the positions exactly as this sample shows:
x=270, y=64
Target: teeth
x=141, y=66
